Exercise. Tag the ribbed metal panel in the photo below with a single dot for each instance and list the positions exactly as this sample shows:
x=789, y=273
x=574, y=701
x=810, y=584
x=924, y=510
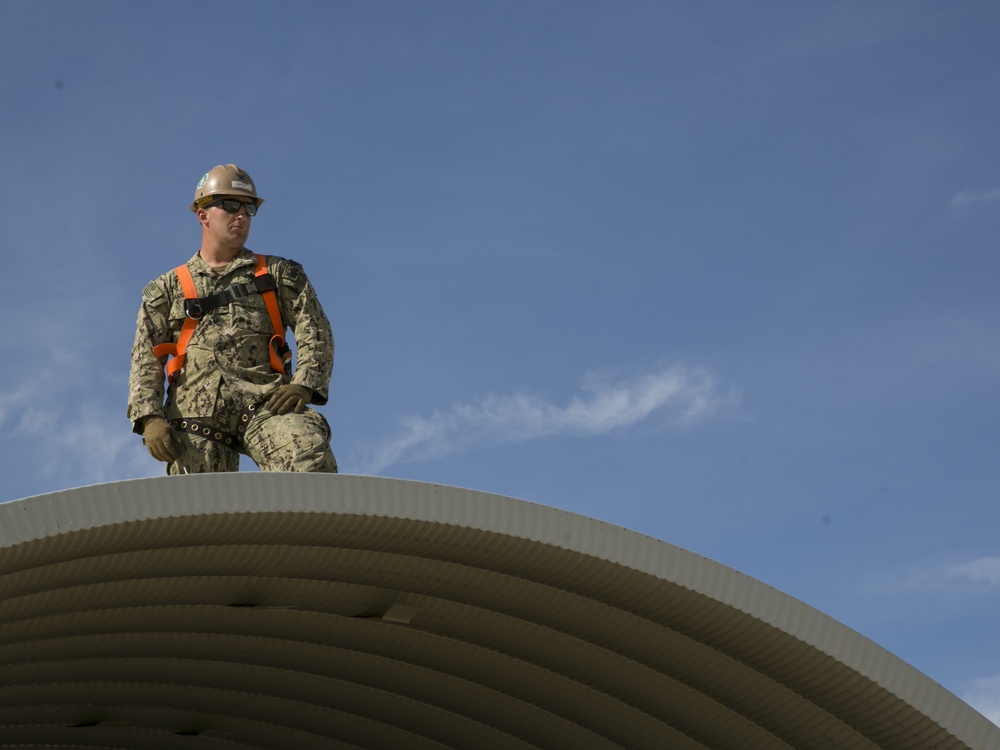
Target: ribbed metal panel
x=316, y=611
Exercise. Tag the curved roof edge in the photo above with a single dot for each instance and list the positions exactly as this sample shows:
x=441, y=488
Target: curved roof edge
x=61, y=513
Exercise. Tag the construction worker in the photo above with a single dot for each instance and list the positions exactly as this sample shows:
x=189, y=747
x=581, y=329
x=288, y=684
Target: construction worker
x=217, y=325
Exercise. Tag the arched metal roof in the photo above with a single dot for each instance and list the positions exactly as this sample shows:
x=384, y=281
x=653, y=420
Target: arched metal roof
x=318, y=611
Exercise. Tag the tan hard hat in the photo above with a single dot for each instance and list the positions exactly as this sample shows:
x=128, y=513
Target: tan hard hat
x=225, y=179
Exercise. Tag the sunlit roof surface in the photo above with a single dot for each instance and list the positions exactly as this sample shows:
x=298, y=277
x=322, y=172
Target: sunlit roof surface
x=319, y=611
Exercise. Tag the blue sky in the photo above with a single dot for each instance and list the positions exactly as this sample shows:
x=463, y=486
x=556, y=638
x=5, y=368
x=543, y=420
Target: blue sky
x=723, y=273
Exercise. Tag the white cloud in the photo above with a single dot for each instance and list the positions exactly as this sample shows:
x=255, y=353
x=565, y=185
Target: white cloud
x=90, y=450
x=58, y=432
x=984, y=696
x=972, y=196
x=67, y=440
x=678, y=396
x=967, y=578
x=985, y=570
x=12, y=403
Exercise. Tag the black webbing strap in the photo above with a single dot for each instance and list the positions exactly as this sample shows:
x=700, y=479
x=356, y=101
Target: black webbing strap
x=199, y=307
x=204, y=429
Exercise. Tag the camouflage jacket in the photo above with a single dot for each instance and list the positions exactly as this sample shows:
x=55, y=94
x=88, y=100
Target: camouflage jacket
x=230, y=344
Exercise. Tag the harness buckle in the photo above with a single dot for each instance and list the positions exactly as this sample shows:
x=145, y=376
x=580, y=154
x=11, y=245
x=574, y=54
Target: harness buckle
x=193, y=309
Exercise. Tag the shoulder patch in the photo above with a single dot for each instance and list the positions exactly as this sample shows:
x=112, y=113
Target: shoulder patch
x=290, y=271
x=152, y=292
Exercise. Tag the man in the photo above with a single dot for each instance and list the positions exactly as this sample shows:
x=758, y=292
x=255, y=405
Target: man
x=218, y=325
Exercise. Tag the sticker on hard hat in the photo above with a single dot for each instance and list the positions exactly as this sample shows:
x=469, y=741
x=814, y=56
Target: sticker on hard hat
x=242, y=185
x=203, y=180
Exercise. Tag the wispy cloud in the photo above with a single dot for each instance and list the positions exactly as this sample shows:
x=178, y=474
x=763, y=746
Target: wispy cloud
x=675, y=396
x=58, y=433
x=66, y=444
x=971, y=577
x=973, y=196
x=985, y=570
x=13, y=410
x=86, y=450
x=984, y=696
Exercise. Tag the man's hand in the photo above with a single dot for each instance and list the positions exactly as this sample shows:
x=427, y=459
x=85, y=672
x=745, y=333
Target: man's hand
x=158, y=436
x=288, y=398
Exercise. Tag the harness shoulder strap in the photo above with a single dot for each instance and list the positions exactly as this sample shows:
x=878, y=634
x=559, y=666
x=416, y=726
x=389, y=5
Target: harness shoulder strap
x=280, y=354
x=177, y=350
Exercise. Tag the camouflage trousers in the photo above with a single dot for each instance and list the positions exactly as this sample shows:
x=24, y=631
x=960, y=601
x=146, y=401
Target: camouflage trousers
x=289, y=442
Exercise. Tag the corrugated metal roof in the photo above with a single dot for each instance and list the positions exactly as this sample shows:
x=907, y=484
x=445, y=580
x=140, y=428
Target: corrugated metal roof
x=322, y=611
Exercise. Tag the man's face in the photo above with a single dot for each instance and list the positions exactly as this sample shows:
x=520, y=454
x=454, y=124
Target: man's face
x=230, y=229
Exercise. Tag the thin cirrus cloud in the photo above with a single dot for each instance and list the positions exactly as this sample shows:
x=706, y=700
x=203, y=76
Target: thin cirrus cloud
x=984, y=570
x=65, y=443
x=675, y=396
x=973, y=196
x=967, y=578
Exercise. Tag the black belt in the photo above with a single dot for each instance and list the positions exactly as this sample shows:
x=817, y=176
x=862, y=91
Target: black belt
x=204, y=429
x=201, y=429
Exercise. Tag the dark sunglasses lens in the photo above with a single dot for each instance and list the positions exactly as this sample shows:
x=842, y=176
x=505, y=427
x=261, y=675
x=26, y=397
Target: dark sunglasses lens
x=233, y=207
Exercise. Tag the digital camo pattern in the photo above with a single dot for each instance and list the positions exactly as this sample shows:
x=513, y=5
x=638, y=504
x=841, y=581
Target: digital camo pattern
x=228, y=366
x=200, y=455
x=290, y=442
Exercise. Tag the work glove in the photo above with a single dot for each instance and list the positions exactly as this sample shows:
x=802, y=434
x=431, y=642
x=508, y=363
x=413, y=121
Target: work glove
x=158, y=436
x=288, y=398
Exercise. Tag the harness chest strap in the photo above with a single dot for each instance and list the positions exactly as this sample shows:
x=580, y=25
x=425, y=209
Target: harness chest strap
x=279, y=353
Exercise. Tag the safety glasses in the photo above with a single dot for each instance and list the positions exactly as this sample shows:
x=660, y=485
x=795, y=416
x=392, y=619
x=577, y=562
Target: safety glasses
x=231, y=206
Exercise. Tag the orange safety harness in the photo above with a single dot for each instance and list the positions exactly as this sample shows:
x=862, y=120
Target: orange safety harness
x=195, y=308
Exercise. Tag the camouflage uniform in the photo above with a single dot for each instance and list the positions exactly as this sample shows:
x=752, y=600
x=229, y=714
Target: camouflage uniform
x=227, y=376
